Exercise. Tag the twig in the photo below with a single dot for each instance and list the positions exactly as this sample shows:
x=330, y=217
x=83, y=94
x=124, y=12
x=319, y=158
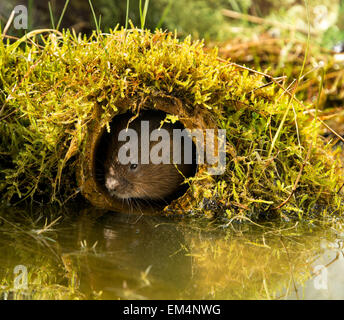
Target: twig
x=328, y=127
x=275, y=80
x=8, y=24
x=258, y=20
x=297, y=179
x=290, y=268
x=282, y=122
x=29, y=40
x=47, y=227
x=279, y=79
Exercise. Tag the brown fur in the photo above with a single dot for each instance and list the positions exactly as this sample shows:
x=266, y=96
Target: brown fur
x=148, y=181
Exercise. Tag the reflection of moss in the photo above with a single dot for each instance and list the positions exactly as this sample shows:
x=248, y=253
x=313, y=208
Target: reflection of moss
x=26, y=242
x=258, y=265
x=92, y=255
x=51, y=95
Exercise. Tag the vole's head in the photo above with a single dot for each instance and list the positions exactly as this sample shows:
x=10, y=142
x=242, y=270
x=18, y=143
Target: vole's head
x=136, y=179
x=143, y=181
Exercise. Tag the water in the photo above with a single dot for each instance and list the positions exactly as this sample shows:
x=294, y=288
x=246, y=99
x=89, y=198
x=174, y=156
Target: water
x=46, y=253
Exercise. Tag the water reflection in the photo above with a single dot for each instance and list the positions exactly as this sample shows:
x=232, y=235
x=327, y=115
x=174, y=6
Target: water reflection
x=92, y=254
x=328, y=273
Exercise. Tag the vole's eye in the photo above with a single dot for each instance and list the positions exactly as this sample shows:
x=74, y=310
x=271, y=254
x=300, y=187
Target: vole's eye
x=133, y=166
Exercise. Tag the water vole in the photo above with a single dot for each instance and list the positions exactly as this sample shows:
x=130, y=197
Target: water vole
x=138, y=179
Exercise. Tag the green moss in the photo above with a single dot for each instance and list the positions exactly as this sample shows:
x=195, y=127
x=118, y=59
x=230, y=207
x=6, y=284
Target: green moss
x=49, y=94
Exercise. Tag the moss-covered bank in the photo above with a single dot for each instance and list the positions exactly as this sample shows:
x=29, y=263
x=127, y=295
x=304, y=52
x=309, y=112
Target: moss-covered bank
x=60, y=90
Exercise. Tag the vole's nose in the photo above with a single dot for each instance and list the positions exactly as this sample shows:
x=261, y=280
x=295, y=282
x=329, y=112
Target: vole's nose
x=111, y=183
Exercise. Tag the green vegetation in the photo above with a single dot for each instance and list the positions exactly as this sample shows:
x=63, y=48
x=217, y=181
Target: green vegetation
x=199, y=18
x=278, y=94
x=51, y=92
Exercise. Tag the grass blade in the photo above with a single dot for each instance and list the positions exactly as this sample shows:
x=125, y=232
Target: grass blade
x=51, y=16
x=143, y=13
x=94, y=16
x=127, y=15
x=164, y=14
x=295, y=87
x=62, y=14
